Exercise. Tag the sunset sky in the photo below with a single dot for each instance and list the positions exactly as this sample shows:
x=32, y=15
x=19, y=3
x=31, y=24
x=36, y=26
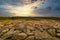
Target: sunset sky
x=30, y=8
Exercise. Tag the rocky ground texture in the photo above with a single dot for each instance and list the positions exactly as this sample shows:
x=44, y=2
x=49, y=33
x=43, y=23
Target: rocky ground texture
x=30, y=30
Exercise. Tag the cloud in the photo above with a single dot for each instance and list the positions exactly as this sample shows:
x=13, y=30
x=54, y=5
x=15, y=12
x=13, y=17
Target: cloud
x=8, y=6
x=11, y=2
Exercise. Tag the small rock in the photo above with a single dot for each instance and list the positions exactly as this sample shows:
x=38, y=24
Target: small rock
x=5, y=30
x=58, y=34
x=20, y=36
x=30, y=38
x=40, y=35
x=1, y=39
x=58, y=31
x=52, y=32
x=45, y=27
x=30, y=34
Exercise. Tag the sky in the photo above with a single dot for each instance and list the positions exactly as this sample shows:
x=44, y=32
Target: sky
x=47, y=8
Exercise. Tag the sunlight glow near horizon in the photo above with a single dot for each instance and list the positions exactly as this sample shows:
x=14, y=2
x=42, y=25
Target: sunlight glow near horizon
x=26, y=10
x=23, y=11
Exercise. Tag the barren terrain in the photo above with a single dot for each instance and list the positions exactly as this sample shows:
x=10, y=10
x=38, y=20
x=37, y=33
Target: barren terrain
x=42, y=29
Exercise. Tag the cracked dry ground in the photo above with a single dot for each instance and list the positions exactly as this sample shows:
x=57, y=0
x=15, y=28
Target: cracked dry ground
x=30, y=30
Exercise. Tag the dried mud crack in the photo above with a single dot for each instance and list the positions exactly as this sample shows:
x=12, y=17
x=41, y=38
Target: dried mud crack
x=30, y=30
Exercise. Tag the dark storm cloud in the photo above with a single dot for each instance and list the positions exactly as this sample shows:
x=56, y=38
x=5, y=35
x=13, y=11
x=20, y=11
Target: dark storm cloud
x=49, y=8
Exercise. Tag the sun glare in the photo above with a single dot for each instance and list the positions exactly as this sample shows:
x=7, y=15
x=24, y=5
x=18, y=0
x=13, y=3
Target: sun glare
x=25, y=10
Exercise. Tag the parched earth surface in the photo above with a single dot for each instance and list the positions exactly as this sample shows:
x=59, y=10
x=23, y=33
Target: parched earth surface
x=30, y=30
